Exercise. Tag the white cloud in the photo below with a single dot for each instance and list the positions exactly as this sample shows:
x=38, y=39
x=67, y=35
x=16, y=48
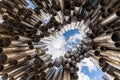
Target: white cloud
x=87, y=62
x=91, y=67
x=56, y=47
x=81, y=75
x=0, y=78
x=95, y=78
x=73, y=40
x=75, y=37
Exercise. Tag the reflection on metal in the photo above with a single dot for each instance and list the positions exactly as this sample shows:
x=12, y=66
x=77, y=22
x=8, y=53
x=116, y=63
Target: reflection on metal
x=24, y=35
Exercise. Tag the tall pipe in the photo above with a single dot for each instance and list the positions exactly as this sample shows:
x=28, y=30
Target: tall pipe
x=111, y=18
x=110, y=38
x=17, y=55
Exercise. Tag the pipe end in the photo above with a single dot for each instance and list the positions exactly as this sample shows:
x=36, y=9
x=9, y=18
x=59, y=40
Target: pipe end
x=97, y=53
x=118, y=13
x=31, y=46
x=1, y=67
x=117, y=45
x=3, y=58
x=116, y=36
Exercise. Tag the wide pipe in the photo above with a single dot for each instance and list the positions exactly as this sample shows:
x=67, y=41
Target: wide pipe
x=67, y=14
x=60, y=13
x=18, y=70
x=45, y=72
x=6, y=57
x=22, y=38
x=108, y=53
x=46, y=64
x=56, y=74
x=46, y=58
x=111, y=18
x=60, y=77
x=112, y=62
x=58, y=61
x=109, y=38
x=5, y=42
x=37, y=46
x=13, y=49
x=66, y=75
x=18, y=62
x=50, y=74
x=114, y=44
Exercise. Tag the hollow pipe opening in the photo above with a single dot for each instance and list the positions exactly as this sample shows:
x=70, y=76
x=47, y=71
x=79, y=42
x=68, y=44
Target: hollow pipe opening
x=1, y=67
x=116, y=36
x=3, y=58
x=118, y=13
x=117, y=45
x=97, y=53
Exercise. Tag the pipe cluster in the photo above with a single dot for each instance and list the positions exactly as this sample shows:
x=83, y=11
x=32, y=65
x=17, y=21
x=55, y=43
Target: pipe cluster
x=23, y=57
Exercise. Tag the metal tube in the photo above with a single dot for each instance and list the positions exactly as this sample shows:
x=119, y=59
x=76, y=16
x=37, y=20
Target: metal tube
x=56, y=74
x=18, y=70
x=114, y=65
x=45, y=72
x=106, y=44
x=2, y=28
x=57, y=18
x=37, y=46
x=4, y=42
x=18, y=44
x=67, y=66
x=77, y=8
x=46, y=58
x=110, y=38
x=46, y=64
x=60, y=14
x=61, y=4
x=58, y=61
x=50, y=74
x=108, y=53
x=66, y=15
x=110, y=62
x=60, y=77
x=9, y=56
x=117, y=73
x=85, y=27
x=111, y=18
x=8, y=66
x=5, y=36
x=13, y=49
x=22, y=38
x=66, y=75
x=27, y=76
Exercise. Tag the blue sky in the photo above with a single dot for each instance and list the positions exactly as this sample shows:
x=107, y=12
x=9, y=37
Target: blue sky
x=70, y=33
x=30, y=4
x=95, y=74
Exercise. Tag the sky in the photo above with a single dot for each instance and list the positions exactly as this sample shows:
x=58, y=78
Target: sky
x=57, y=46
x=60, y=44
